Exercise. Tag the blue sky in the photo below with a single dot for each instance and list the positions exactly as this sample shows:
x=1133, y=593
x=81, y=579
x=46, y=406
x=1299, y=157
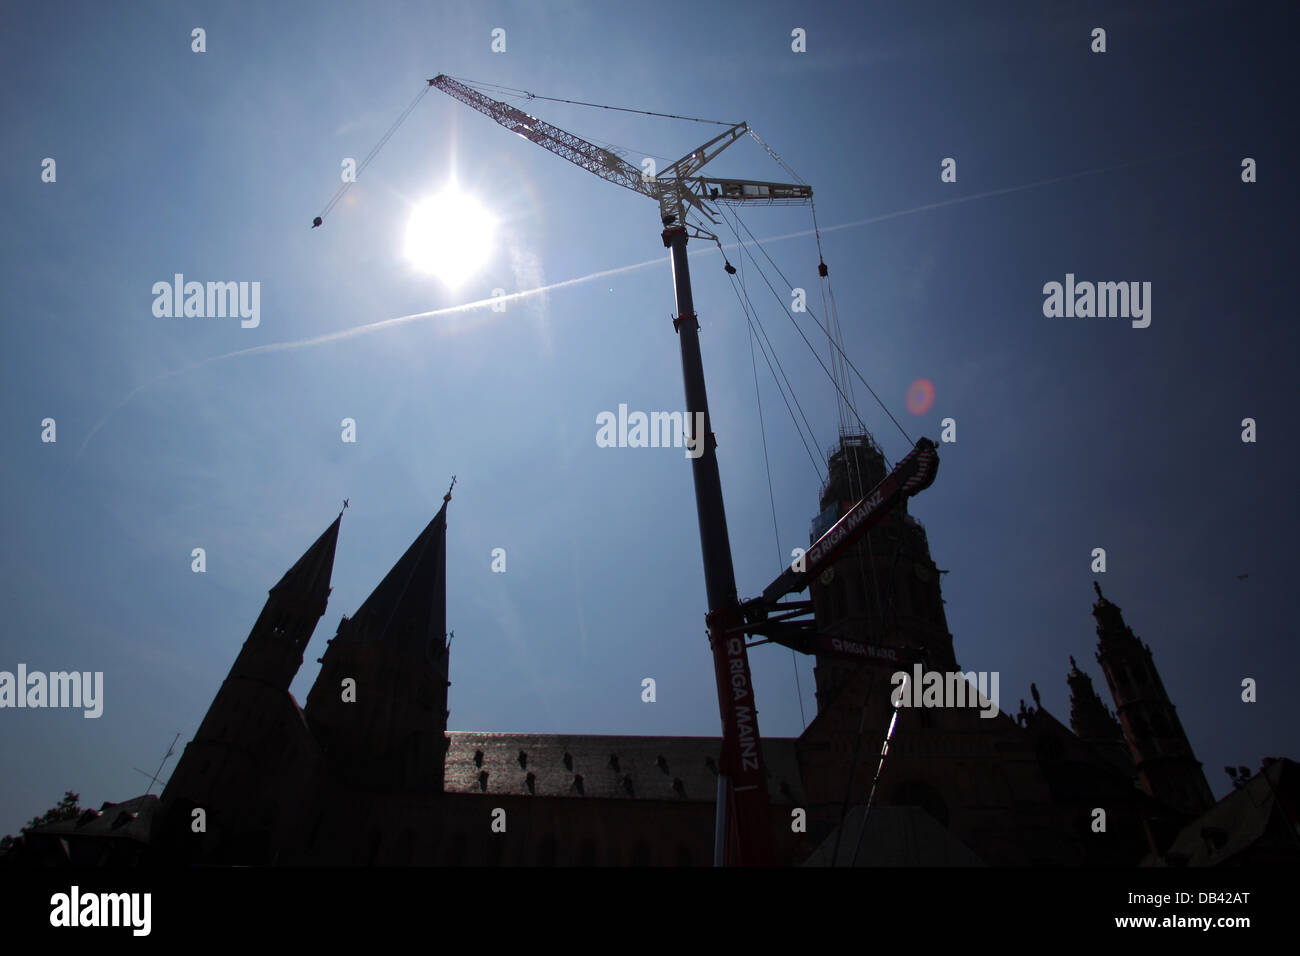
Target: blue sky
x=1072, y=433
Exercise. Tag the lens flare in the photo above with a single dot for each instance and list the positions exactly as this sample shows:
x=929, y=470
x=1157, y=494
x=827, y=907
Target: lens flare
x=920, y=396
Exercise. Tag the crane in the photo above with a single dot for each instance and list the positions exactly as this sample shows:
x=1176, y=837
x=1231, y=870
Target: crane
x=676, y=188
x=743, y=832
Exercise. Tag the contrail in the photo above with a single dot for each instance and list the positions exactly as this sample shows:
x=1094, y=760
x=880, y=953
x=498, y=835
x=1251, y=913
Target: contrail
x=541, y=290
x=359, y=330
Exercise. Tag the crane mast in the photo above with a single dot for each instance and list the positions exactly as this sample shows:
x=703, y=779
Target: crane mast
x=744, y=824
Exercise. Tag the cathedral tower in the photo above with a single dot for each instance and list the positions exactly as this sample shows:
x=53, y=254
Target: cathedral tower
x=885, y=589
x=273, y=652
x=1167, y=768
x=253, y=725
x=379, y=706
x=1093, y=723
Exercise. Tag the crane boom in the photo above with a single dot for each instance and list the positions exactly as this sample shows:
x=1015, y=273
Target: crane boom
x=787, y=623
x=674, y=187
x=913, y=474
x=576, y=150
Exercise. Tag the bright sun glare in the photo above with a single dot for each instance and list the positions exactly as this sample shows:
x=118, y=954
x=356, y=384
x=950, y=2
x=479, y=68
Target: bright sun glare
x=450, y=236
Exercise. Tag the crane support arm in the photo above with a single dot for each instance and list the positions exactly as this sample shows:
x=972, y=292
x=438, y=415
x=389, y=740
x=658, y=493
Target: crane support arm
x=576, y=150
x=693, y=161
x=749, y=191
x=913, y=474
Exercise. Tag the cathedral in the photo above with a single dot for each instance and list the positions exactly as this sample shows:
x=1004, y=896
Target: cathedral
x=366, y=773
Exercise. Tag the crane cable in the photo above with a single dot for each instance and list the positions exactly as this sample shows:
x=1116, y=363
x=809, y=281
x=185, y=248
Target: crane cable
x=554, y=99
x=849, y=361
x=771, y=494
x=856, y=488
x=751, y=316
x=369, y=156
x=837, y=345
x=832, y=314
x=781, y=162
x=776, y=532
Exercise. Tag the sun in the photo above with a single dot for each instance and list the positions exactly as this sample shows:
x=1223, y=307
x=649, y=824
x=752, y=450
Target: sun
x=450, y=236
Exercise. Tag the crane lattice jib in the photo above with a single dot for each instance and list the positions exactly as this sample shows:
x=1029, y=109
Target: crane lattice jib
x=576, y=150
x=675, y=188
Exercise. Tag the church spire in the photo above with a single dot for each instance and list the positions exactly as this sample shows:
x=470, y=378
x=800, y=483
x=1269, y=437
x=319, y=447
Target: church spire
x=1093, y=723
x=1167, y=767
x=379, y=705
x=409, y=604
x=309, y=578
x=1088, y=715
x=224, y=763
x=274, y=649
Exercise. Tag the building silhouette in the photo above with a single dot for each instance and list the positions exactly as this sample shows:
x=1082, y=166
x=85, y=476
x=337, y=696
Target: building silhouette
x=367, y=773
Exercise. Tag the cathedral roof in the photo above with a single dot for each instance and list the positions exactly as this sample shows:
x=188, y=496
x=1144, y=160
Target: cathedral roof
x=310, y=576
x=635, y=768
x=1248, y=826
x=895, y=836
x=129, y=819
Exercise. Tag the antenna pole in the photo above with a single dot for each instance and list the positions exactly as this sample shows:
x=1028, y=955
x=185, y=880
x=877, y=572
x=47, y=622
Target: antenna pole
x=170, y=751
